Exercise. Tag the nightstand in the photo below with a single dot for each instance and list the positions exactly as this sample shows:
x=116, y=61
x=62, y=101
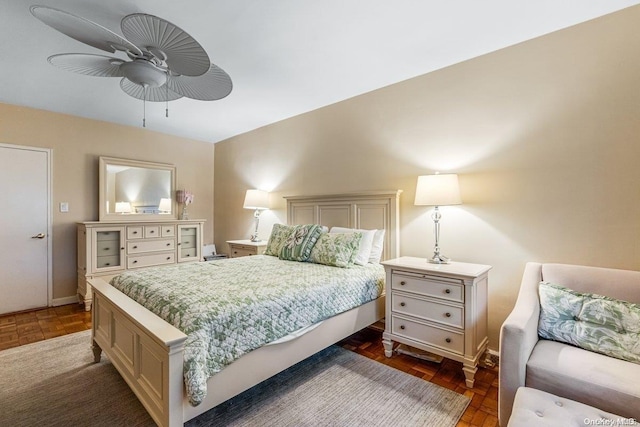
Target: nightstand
x=440, y=308
x=238, y=248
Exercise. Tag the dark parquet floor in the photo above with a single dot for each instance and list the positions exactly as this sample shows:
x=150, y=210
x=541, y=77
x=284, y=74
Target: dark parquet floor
x=24, y=328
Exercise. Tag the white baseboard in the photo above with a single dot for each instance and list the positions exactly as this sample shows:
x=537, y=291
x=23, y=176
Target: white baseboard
x=64, y=301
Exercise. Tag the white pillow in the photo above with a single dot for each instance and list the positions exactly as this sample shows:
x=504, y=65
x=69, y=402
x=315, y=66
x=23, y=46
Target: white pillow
x=377, y=247
x=364, y=251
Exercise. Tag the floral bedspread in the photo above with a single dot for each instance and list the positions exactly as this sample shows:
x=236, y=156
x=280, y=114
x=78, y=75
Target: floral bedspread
x=229, y=307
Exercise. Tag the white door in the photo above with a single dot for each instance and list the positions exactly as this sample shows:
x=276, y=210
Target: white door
x=24, y=228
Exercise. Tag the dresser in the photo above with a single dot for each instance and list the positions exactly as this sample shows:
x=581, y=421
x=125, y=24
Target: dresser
x=238, y=248
x=106, y=249
x=440, y=308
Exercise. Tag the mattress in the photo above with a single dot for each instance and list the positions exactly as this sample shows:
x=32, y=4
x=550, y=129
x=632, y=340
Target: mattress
x=230, y=307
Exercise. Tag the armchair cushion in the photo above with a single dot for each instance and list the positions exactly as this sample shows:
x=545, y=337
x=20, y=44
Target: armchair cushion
x=590, y=321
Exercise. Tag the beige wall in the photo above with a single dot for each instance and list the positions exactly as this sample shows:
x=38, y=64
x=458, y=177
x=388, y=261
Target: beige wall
x=77, y=143
x=545, y=136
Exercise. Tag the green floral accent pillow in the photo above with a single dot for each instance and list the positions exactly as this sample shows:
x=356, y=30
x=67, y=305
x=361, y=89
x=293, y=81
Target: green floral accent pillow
x=298, y=245
x=593, y=322
x=339, y=249
x=279, y=233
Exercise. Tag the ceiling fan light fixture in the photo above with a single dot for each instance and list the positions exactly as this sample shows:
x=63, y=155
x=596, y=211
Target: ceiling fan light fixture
x=144, y=73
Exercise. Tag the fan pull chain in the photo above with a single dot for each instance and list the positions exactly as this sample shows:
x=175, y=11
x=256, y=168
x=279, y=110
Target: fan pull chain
x=144, y=106
x=166, y=87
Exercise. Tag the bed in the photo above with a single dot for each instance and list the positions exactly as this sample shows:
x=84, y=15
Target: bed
x=149, y=352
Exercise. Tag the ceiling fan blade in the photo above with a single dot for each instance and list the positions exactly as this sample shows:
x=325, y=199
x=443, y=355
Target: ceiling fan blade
x=153, y=94
x=83, y=30
x=89, y=65
x=215, y=84
x=182, y=53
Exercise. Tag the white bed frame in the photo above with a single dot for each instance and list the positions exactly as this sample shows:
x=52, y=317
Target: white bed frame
x=148, y=352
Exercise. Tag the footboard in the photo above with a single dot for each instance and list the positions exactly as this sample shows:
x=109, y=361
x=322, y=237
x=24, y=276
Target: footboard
x=147, y=351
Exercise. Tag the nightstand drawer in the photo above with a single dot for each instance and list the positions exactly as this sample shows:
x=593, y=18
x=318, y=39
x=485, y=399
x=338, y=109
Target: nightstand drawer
x=430, y=335
x=150, y=246
x=149, y=260
x=239, y=251
x=449, y=289
x=441, y=313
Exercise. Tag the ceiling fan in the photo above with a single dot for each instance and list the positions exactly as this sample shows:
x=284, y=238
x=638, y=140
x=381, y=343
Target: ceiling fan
x=163, y=62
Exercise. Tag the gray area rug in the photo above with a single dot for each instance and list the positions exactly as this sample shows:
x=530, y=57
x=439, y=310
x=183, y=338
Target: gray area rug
x=56, y=383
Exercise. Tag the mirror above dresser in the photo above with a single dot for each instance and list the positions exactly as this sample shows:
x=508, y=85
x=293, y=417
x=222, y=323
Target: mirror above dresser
x=133, y=190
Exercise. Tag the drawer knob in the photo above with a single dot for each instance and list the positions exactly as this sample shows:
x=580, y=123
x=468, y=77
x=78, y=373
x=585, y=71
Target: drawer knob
x=135, y=247
x=402, y=304
x=168, y=244
x=106, y=249
x=151, y=231
x=448, y=340
x=401, y=326
x=403, y=283
x=135, y=261
x=107, y=264
x=135, y=232
x=447, y=291
x=168, y=258
x=122, y=248
x=188, y=254
x=448, y=314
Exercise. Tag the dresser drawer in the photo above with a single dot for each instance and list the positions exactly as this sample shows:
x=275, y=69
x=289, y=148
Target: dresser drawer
x=142, y=246
x=107, y=235
x=107, y=247
x=149, y=260
x=429, y=310
x=188, y=253
x=168, y=231
x=107, y=261
x=449, y=289
x=135, y=232
x=426, y=334
x=188, y=242
x=151, y=231
x=188, y=231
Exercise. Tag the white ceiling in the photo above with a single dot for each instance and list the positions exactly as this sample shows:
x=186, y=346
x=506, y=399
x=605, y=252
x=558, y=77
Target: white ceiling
x=285, y=57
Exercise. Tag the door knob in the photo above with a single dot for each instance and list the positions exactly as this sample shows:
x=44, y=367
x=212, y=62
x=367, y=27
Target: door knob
x=39, y=236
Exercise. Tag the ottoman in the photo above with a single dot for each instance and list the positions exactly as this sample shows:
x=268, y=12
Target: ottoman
x=533, y=407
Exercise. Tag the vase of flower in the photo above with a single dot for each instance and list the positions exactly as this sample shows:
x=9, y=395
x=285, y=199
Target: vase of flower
x=186, y=198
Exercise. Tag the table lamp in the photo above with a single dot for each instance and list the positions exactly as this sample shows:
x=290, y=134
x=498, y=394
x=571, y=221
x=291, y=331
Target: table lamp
x=258, y=200
x=437, y=190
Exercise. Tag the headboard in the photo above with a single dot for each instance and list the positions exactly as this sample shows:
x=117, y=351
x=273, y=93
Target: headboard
x=367, y=210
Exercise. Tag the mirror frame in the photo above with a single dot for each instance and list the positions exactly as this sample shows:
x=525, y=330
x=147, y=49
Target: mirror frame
x=102, y=189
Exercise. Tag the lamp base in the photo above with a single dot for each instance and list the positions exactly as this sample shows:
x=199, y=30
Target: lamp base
x=439, y=259
x=255, y=238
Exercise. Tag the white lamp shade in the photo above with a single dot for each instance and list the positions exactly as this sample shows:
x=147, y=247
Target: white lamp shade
x=165, y=205
x=438, y=190
x=123, y=207
x=256, y=199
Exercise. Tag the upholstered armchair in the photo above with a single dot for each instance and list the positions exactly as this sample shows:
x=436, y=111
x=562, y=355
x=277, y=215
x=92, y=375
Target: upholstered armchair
x=604, y=382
